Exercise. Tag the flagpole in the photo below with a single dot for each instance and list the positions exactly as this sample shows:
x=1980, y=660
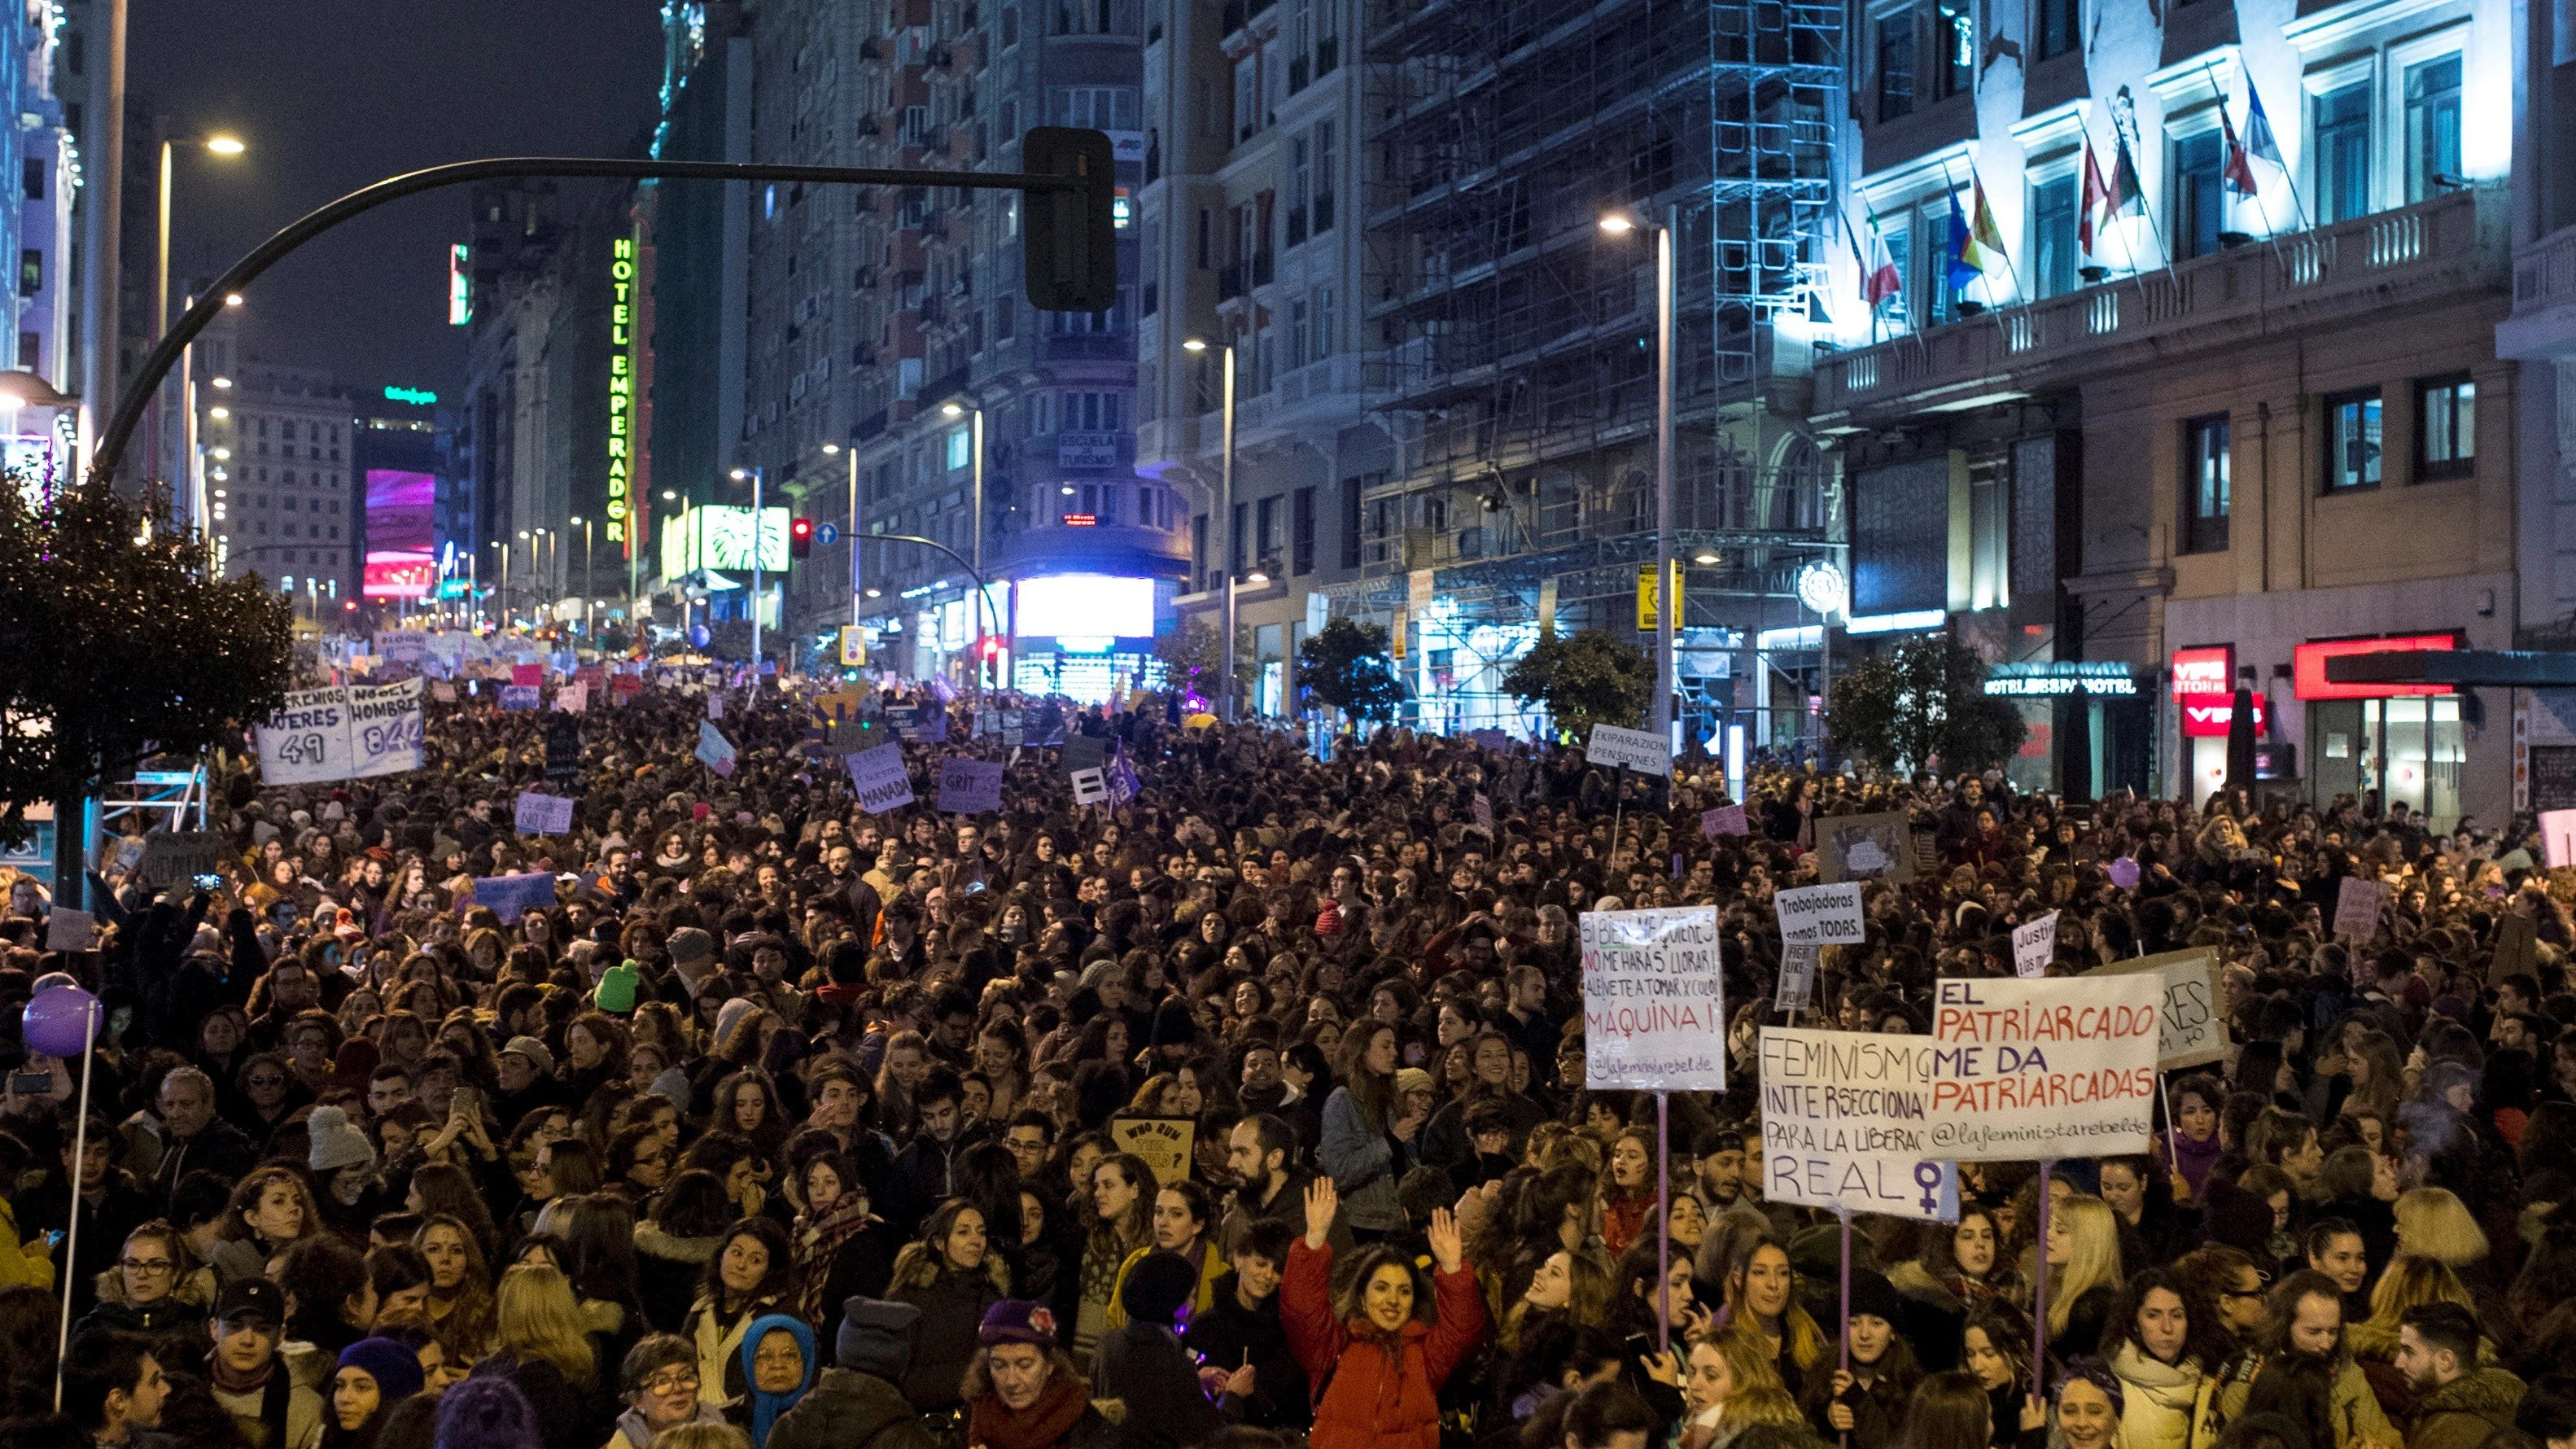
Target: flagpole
x=2146, y=204
x=1969, y=224
x=2109, y=194
x=2238, y=145
x=2254, y=106
x=1978, y=187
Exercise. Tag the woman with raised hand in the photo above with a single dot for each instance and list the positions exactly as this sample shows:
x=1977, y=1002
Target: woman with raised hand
x=1379, y=1340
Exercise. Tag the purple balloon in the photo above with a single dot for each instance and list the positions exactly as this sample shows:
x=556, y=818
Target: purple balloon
x=59, y=1021
x=2124, y=873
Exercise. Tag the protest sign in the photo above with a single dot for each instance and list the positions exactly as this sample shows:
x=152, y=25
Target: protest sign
x=70, y=930
x=1724, y=820
x=2358, y=906
x=527, y=676
x=1797, y=988
x=1164, y=1143
x=402, y=646
x=1085, y=752
x=2033, y=945
x=2192, y=1027
x=350, y=732
x=1091, y=787
x=443, y=692
x=2557, y=838
x=1865, y=847
x=1643, y=751
x=2035, y=1070
x=517, y=697
x=714, y=750
x=715, y=707
x=563, y=751
x=970, y=787
x=880, y=778
x=1822, y=915
x=1846, y=1124
x=573, y=698
x=176, y=857
x=511, y=895
x=1484, y=809
x=543, y=814
x=1654, y=1007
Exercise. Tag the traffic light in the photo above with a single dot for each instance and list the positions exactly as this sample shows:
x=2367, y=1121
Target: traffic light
x=800, y=538
x=1071, y=241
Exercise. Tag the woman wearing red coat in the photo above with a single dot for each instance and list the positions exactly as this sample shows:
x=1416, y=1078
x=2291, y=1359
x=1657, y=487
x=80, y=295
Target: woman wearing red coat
x=1374, y=1345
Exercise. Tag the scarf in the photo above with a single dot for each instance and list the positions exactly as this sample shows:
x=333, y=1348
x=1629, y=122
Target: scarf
x=2195, y=1159
x=1041, y=1425
x=766, y=1407
x=229, y=1380
x=819, y=1243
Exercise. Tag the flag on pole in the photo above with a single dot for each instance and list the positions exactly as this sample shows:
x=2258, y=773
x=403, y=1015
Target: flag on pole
x=1985, y=249
x=1879, y=279
x=2096, y=192
x=2124, y=189
x=2238, y=172
x=2260, y=143
x=1958, y=270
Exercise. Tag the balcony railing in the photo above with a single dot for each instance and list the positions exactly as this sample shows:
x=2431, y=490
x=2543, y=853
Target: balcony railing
x=2456, y=241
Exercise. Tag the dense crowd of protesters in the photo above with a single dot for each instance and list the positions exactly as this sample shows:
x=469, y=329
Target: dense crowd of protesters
x=1249, y=1107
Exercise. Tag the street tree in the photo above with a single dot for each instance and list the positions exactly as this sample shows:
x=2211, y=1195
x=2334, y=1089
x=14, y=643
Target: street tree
x=1924, y=704
x=1346, y=666
x=120, y=640
x=1583, y=679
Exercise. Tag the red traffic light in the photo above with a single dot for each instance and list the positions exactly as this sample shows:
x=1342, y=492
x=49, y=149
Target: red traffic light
x=800, y=538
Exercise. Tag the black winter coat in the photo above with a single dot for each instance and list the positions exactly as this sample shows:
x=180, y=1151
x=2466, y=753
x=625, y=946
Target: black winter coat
x=847, y=1409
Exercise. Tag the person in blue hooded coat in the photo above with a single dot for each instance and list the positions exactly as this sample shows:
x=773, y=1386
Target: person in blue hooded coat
x=778, y=1363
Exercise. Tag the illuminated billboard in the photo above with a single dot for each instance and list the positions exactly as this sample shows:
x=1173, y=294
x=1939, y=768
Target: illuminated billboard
x=1086, y=606
x=402, y=561
x=719, y=537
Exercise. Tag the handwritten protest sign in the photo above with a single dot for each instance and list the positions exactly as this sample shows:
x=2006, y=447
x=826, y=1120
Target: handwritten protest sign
x=176, y=857
x=1846, y=1124
x=1797, y=989
x=1484, y=810
x=714, y=750
x=2557, y=838
x=1865, y=847
x=510, y=896
x=2192, y=1028
x=573, y=698
x=1724, y=820
x=969, y=787
x=1164, y=1143
x=527, y=676
x=543, y=814
x=70, y=930
x=443, y=692
x=2031, y=1070
x=2358, y=906
x=2033, y=945
x=1654, y=1007
x=880, y=778
x=1643, y=751
x=516, y=697
x=351, y=732
x=1823, y=915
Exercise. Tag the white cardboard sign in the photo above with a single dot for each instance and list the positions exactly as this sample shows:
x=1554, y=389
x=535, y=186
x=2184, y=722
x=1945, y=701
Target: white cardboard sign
x=1654, y=1001
x=1846, y=1124
x=2034, y=945
x=1821, y=915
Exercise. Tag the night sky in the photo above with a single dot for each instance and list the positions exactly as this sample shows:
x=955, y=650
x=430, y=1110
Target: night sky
x=334, y=94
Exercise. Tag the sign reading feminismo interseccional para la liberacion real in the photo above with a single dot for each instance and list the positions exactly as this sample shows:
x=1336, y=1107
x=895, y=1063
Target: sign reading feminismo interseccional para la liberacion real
x=1654, y=1001
x=1847, y=1124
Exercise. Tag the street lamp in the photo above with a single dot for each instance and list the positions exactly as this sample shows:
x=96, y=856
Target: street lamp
x=1225, y=512
x=858, y=590
x=1620, y=224
x=219, y=145
x=753, y=473
x=504, y=547
x=976, y=414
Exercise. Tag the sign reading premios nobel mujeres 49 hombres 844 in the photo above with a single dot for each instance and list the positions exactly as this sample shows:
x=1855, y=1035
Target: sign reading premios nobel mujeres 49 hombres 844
x=1654, y=1001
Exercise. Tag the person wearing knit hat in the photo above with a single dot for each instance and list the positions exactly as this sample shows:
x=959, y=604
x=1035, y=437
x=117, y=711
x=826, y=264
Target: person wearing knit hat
x=855, y=1403
x=693, y=956
x=615, y=993
x=487, y=1411
x=1868, y=1401
x=1027, y=1392
x=374, y=1375
x=337, y=1144
x=1157, y=1287
x=1142, y=1364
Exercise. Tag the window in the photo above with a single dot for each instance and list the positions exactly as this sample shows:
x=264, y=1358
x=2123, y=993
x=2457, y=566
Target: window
x=1301, y=532
x=1896, y=65
x=961, y=447
x=2352, y=440
x=1100, y=108
x=1247, y=97
x=2205, y=484
x=2199, y=204
x=1206, y=229
x=2446, y=427
x=1235, y=539
x=1265, y=532
x=1322, y=219
x=1954, y=29
x=32, y=180
x=1351, y=488
x=2432, y=126
x=31, y=271
x=1301, y=331
x=2343, y=152
x=1323, y=323
x=2052, y=237
x=2058, y=26
x=1301, y=185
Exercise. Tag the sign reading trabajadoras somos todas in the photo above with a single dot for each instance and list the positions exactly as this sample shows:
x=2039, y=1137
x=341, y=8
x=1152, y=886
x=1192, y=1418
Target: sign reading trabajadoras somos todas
x=1654, y=1007
x=2031, y=1070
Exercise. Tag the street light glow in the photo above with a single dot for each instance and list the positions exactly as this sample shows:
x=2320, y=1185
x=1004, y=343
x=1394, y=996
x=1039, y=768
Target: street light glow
x=225, y=145
x=223, y=382
x=829, y=450
x=741, y=475
x=1705, y=557
x=232, y=299
x=1194, y=345
x=669, y=497
x=1618, y=223
x=951, y=410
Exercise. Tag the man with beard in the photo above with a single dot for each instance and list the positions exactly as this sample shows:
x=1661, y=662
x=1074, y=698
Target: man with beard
x=2306, y=1373
x=1262, y=1154
x=2458, y=1404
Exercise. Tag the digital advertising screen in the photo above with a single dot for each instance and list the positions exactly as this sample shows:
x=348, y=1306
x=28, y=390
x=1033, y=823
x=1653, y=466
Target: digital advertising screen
x=402, y=559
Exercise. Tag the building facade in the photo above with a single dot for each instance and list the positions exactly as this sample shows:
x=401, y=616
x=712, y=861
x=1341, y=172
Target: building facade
x=2169, y=348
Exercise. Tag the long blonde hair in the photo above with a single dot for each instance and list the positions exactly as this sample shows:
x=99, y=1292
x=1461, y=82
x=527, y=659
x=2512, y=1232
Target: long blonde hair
x=2410, y=1281
x=2432, y=1223
x=2092, y=1257
x=539, y=1318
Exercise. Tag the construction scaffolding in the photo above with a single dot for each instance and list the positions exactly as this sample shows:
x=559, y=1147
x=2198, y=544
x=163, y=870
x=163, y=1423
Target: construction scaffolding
x=1510, y=339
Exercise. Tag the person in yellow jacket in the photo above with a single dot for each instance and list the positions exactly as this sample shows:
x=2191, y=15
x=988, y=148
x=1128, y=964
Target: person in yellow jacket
x=1183, y=1213
x=32, y=1263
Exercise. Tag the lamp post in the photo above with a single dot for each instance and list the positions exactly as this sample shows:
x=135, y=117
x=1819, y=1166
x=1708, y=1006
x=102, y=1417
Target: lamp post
x=975, y=415
x=1225, y=514
x=219, y=145
x=757, y=539
x=504, y=547
x=1619, y=223
x=856, y=590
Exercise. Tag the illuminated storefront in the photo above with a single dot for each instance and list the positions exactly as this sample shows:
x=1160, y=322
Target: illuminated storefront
x=2404, y=742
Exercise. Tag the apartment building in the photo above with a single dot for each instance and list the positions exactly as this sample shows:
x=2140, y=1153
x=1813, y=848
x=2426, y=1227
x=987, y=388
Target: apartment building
x=2168, y=362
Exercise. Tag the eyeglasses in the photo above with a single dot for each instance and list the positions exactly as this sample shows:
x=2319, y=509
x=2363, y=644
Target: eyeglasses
x=268, y=1081
x=146, y=1265
x=683, y=1381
